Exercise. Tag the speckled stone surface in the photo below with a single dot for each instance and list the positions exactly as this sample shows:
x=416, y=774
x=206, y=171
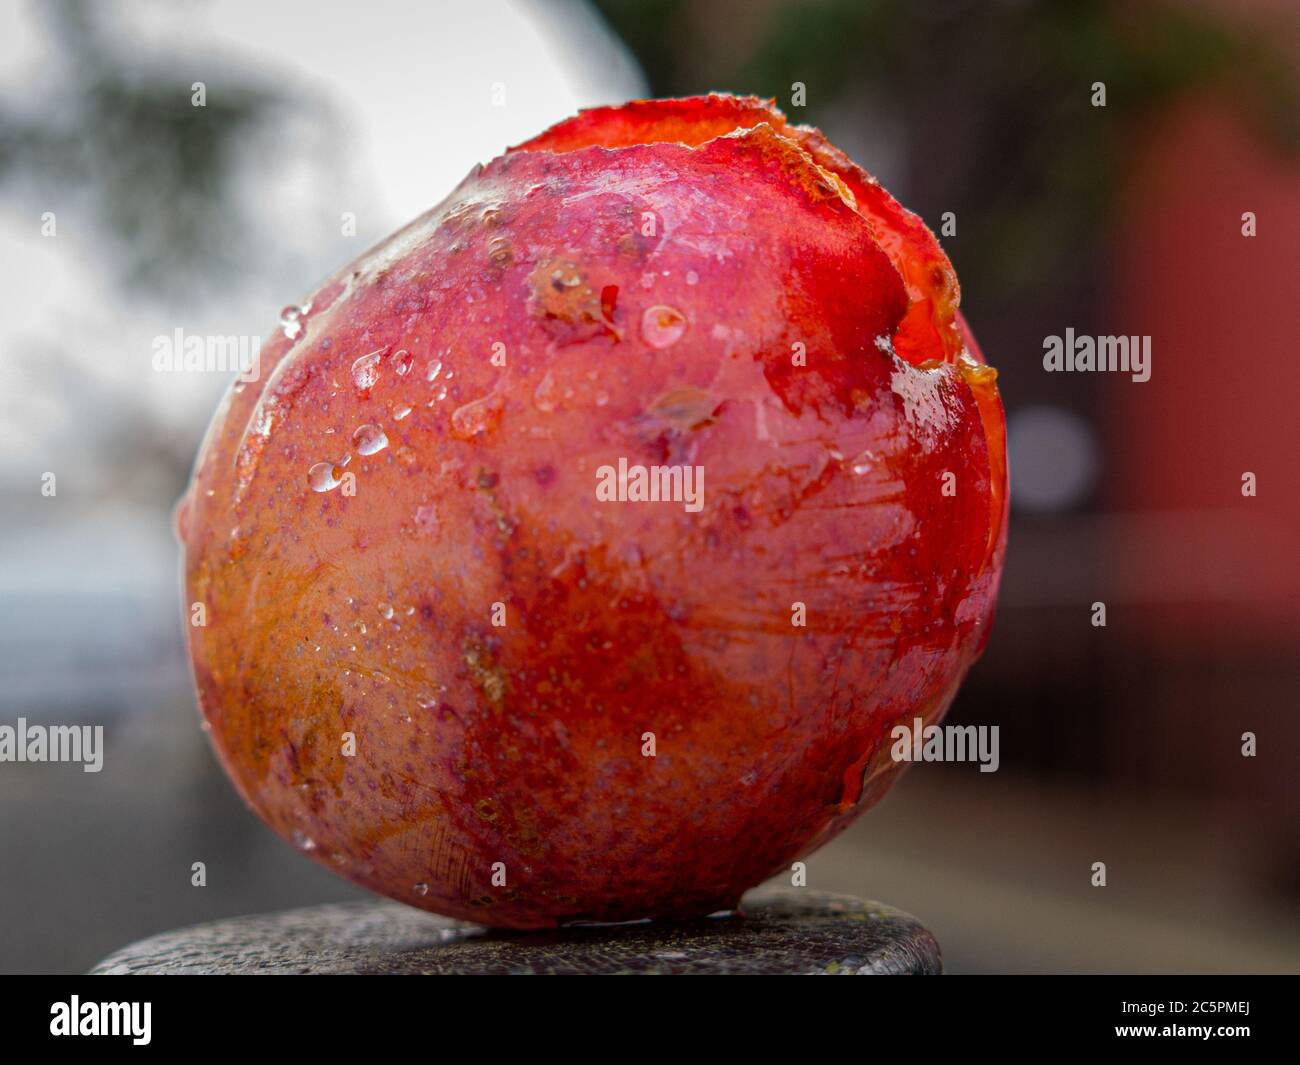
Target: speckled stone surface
x=779, y=932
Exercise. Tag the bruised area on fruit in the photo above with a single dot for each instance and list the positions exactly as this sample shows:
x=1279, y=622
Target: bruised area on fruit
x=437, y=662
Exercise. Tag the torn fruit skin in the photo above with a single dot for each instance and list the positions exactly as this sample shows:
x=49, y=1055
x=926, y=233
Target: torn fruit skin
x=645, y=276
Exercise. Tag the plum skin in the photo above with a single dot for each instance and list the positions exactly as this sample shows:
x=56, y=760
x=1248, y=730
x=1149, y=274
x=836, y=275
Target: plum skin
x=651, y=277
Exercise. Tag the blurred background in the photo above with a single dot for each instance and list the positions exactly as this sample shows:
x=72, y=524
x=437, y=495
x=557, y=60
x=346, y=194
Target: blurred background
x=1120, y=744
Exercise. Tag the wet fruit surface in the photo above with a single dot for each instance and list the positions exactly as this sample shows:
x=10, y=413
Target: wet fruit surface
x=438, y=662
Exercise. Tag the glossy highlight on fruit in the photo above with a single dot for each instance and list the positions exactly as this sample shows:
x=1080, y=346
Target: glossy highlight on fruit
x=436, y=661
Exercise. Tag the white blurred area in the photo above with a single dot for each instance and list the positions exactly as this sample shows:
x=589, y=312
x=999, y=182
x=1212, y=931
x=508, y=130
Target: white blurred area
x=383, y=108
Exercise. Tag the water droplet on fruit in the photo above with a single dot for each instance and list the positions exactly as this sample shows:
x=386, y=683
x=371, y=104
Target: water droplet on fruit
x=476, y=417
x=435, y=368
x=421, y=888
x=662, y=325
x=303, y=841
x=385, y=610
x=544, y=395
x=324, y=477
x=365, y=371
x=402, y=362
x=291, y=321
x=368, y=439
x=863, y=463
x=400, y=413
